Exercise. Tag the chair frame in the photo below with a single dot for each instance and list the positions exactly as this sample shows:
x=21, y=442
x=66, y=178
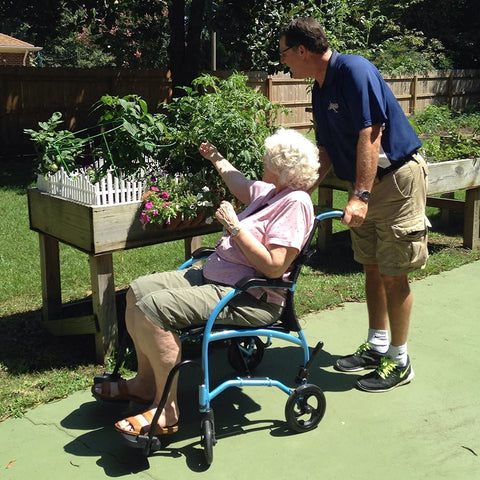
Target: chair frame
x=288, y=322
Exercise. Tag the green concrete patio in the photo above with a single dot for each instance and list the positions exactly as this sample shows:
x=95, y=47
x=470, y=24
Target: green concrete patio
x=429, y=429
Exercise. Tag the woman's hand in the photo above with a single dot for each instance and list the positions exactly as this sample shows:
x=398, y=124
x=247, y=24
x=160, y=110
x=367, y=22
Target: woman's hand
x=209, y=151
x=227, y=216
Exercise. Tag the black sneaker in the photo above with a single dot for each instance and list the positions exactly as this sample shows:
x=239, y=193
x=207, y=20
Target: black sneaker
x=365, y=357
x=387, y=376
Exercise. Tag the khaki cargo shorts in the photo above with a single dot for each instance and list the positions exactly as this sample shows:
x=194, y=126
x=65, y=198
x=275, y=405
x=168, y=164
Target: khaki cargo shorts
x=394, y=234
x=180, y=299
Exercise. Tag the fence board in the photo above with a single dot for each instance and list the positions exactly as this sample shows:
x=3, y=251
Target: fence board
x=30, y=95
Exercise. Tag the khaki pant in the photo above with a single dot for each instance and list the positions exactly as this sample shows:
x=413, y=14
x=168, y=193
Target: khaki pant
x=394, y=234
x=180, y=299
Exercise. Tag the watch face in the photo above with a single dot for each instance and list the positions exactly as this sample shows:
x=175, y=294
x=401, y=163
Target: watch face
x=363, y=194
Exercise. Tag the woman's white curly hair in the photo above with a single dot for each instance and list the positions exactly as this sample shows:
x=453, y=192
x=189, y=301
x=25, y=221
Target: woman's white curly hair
x=293, y=158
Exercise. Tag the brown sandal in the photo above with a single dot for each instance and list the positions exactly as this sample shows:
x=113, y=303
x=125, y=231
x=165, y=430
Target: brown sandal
x=123, y=394
x=143, y=427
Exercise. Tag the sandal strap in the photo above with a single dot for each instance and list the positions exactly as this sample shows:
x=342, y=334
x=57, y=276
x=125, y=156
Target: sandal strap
x=122, y=388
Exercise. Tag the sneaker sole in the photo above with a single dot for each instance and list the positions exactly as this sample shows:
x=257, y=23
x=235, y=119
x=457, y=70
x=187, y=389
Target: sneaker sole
x=355, y=369
x=399, y=384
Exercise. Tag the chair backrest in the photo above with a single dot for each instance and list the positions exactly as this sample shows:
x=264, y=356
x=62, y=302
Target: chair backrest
x=289, y=319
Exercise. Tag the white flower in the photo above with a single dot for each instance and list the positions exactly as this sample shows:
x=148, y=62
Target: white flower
x=209, y=220
x=205, y=189
x=199, y=195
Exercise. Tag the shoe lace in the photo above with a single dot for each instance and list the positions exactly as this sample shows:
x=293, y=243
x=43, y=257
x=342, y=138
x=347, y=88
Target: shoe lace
x=386, y=367
x=364, y=347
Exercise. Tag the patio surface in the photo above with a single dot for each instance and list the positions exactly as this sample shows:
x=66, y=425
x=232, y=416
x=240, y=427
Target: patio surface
x=429, y=429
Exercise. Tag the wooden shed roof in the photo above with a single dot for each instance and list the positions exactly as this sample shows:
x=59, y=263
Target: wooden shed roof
x=10, y=44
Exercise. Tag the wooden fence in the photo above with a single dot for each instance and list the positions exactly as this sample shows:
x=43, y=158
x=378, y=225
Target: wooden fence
x=30, y=95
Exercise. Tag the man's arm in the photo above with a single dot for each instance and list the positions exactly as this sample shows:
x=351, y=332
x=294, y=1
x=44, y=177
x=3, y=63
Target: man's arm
x=325, y=165
x=368, y=150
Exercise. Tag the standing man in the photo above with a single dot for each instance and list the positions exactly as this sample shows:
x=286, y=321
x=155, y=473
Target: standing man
x=362, y=131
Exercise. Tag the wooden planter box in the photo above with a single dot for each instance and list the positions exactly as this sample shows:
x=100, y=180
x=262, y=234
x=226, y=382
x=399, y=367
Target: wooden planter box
x=443, y=178
x=98, y=231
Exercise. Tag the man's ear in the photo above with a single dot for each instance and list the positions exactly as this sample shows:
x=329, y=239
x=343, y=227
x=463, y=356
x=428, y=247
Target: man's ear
x=302, y=50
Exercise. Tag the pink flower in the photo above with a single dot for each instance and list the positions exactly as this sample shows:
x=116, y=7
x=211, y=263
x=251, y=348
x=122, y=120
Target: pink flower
x=148, y=205
x=155, y=213
x=155, y=189
x=138, y=53
x=144, y=218
x=165, y=195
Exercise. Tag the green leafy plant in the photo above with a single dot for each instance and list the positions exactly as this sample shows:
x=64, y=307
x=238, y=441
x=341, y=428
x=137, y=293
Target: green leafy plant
x=227, y=113
x=133, y=136
x=55, y=148
x=125, y=139
x=446, y=134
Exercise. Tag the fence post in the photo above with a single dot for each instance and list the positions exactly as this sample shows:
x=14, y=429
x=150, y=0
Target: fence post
x=450, y=90
x=413, y=93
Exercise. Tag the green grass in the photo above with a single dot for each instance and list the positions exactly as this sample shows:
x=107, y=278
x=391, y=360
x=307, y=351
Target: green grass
x=36, y=367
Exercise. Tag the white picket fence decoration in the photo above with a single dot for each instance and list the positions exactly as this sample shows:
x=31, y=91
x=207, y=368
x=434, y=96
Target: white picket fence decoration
x=109, y=191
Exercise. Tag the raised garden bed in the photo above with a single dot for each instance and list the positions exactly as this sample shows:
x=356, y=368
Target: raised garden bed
x=443, y=178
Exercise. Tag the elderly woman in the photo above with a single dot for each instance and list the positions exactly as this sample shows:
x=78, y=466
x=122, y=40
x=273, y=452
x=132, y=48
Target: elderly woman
x=263, y=240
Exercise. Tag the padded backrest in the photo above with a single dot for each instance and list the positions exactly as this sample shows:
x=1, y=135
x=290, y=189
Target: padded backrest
x=289, y=317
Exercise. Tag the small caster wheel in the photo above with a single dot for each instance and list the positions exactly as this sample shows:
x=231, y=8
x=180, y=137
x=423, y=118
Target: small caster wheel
x=207, y=440
x=245, y=354
x=305, y=408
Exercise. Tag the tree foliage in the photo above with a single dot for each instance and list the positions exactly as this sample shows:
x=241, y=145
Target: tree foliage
x=399, y=36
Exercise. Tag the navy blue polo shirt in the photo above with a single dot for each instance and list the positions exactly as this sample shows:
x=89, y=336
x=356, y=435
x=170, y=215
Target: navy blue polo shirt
x=355, y=96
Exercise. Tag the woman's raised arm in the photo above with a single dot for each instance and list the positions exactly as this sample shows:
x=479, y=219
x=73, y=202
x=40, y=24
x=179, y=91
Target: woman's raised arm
x=236, y=182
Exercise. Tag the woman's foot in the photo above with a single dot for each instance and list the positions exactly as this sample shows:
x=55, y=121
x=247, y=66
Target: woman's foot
x=140, y=424
x=121, y=390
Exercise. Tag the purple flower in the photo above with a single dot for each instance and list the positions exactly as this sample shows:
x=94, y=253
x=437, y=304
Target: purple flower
x=148, y=205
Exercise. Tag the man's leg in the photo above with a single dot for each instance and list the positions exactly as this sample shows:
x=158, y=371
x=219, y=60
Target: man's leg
x=399, y=305
x=395, y=369
x=369, y=354
x=376, y=298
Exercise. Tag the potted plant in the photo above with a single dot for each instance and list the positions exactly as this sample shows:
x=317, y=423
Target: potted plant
x=161, y=150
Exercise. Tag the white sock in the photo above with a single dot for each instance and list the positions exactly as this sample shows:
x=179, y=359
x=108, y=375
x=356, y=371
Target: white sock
x=378, y=339
x=398, y=354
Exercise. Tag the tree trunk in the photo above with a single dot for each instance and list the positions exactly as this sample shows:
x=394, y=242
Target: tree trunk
x=185, y=42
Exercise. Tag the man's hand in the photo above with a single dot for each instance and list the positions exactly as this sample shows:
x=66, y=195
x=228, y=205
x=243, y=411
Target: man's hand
x=355, y=212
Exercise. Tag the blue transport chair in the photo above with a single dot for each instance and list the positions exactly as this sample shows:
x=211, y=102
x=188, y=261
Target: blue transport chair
x=305, y=404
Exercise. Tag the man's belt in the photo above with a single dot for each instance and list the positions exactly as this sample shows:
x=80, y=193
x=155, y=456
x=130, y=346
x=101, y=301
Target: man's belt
x=381, y=172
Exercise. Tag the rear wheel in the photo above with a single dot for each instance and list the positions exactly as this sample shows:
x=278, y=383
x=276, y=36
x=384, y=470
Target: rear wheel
x=245, y=354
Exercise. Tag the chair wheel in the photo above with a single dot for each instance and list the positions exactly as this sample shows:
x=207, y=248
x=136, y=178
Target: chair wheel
x=305, y=408
x=207, y=440
x=245, y=354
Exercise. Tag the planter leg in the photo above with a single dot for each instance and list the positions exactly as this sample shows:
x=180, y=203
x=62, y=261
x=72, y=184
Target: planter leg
x=104, y=306
x=471, y=228
x=191, y=244
x=50, y=274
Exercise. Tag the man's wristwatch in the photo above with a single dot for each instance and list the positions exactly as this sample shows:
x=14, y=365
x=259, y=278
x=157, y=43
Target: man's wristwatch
x=363, y=195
